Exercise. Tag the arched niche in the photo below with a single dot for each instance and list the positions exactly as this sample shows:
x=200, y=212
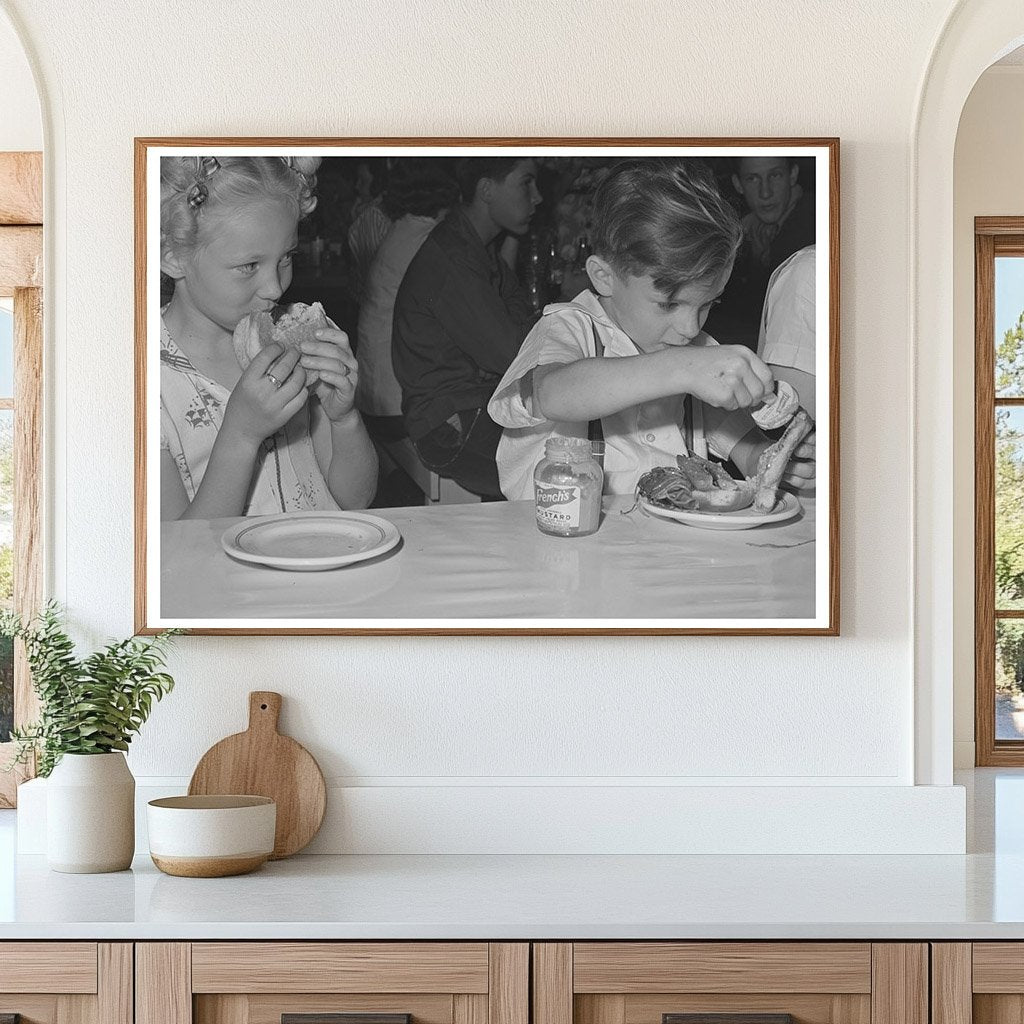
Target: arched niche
x=976, y=34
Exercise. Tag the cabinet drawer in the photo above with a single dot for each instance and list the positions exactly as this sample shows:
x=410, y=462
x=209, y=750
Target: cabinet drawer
x=730, y=983
x=64, y=967
x=332, y=983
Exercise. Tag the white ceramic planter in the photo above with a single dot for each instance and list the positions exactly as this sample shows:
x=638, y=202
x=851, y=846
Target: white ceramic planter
x=90, y=814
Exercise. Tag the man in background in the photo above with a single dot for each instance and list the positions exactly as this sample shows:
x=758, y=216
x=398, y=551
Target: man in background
x=460, y=317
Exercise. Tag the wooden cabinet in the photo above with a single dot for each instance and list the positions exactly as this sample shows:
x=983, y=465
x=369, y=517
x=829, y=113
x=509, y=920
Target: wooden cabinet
x=66, y=982
x=663, y=982
x=262, y=982
x=979, y=982
x=494, y=983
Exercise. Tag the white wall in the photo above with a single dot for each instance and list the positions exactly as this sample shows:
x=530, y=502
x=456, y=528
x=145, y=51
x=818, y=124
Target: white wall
x=987, y=182
x=465, y=711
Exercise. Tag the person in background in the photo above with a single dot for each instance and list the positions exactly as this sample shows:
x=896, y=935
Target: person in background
x=420, y=193
x=780, y=220
x=786, y=341
x=630, y=351
x=460, y=317
x=250, y=442
x=369, y=224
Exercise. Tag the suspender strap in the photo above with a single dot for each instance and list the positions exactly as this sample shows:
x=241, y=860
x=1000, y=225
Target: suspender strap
x=595, y=431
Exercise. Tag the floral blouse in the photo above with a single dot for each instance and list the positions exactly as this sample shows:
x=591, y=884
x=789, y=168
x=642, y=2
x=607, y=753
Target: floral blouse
x=286, y=477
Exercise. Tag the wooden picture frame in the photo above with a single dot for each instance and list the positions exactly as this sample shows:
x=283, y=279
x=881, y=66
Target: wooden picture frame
x=484, y=568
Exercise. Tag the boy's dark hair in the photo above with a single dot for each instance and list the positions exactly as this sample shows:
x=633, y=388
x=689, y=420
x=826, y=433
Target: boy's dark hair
x=665, y=218
x=420, y=185
x=471, y=169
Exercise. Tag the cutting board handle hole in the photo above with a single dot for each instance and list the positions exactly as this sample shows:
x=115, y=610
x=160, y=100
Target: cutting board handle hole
x=263, y=707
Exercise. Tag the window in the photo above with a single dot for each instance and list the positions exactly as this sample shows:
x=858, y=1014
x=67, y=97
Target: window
x=20, y=429
x=999, y=490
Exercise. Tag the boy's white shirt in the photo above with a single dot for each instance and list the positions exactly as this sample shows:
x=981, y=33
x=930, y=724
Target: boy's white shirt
x=637, y=439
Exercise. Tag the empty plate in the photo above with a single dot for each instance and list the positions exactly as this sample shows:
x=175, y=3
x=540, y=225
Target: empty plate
x=310, y=541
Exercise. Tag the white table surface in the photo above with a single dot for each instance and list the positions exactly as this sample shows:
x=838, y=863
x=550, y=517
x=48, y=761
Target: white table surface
x=488, y=561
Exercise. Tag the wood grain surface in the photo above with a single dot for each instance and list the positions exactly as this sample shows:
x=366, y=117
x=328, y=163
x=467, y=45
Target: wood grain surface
x=163, y=983
x=722, y=967
x=899, y=973
x=21, y=188
x=303, y=967
x=951, y=983
x=21, y=258
x=552, y=983
x=262, y=762
x=65, y=967
x=508, y=990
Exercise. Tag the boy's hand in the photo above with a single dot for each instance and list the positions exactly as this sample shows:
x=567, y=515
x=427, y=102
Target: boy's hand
x=268, y=394
x=332, y=358
x=801, y=467
x=726, y=376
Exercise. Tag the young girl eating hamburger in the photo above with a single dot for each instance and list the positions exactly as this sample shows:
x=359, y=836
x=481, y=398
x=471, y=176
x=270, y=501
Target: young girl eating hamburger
x=280, y=434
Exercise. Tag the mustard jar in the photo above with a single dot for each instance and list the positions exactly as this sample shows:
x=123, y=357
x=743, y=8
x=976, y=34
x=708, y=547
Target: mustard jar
x=567, y=485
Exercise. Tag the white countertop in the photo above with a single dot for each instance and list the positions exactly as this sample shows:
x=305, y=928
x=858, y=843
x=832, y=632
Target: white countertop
x=976, y=896
x=518, y=897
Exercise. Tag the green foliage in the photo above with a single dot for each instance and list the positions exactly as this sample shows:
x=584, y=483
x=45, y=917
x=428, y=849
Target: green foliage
x=6, y=573
x=1009, y=457
x=1009, y=517
x=91, y=705
x=1010, y=362
x=1009, y=656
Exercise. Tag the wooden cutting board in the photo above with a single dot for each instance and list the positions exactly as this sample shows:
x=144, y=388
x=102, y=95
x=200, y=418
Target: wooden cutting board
x=262, y=762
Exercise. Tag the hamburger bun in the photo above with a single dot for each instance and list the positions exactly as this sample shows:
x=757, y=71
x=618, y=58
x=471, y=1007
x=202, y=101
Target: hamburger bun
x=289, y=327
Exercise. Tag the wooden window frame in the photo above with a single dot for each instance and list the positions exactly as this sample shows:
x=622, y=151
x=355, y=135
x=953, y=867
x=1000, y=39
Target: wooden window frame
x=993, y=237
x=21, y=278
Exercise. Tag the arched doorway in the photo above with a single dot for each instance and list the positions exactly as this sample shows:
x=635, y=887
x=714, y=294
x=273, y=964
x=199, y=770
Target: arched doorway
x=977, y=33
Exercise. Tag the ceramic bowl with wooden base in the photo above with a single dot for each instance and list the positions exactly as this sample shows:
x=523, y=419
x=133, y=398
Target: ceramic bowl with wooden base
x=211, y=836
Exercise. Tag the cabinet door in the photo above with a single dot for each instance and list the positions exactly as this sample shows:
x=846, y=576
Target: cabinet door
x=730, y=983
x=332, y=983
x=66, y=982
x=981, y=982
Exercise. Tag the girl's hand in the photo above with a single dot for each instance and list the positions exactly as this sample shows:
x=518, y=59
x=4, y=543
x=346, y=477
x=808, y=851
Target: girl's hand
x=332, y=358
x=726, y=376
x=258, y=407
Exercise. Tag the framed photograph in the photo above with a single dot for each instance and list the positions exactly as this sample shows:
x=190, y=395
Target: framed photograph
x=487, y=386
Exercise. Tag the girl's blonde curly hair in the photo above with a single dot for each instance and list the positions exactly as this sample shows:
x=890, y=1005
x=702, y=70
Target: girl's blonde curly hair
x=195, y=188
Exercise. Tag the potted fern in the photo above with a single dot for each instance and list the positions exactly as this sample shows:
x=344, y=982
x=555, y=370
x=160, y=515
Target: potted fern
x=89, y=710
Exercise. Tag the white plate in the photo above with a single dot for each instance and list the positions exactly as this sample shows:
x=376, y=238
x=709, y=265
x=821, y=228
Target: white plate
x=310, y=541
x=743, y=519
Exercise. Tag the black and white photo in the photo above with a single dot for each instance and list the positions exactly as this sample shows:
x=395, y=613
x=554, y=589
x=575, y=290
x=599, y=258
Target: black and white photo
x=487, y=386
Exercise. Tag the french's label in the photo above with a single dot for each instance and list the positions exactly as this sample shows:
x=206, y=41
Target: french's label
x=558, y=507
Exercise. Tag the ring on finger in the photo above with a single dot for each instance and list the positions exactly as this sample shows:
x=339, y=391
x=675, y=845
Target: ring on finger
x=273, y=380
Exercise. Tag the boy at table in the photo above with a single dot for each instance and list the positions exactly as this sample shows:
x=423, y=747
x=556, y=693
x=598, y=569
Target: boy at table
x=630, y=352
